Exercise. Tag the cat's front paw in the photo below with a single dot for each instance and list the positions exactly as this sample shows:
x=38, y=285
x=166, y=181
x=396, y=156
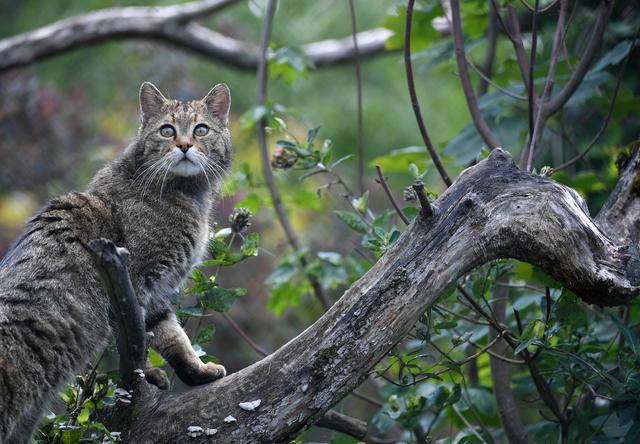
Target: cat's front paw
x=157, y=377
x=202, y=374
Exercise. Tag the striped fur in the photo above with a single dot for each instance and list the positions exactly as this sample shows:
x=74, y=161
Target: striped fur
x=54, y=312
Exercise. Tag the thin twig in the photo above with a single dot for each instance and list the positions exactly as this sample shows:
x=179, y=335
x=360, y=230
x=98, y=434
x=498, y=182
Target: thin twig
x=536, y=9
x=541, y=116
x=385, y=186
x=414, y=98
x=532, y=62
x=490, y=51
x=356, y=61
x=607, y=118
x=244, y=335
x=582, y=68
x=492, y=83
x=276, y=199
x=472, y=103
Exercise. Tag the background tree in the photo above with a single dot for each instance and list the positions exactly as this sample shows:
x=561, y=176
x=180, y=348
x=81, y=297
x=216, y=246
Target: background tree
x=510, y=352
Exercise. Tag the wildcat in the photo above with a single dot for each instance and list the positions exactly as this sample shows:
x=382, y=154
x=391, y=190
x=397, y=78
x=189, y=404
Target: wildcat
x=154, y=200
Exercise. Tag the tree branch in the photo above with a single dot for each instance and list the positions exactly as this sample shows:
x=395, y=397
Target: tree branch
x=276, y=200
x=173, y=25
x=360, y=136
x=501, y=377
x=111, y=263
x=494, y=210
x=415, y=104
x=582, y=68
x=472, y=103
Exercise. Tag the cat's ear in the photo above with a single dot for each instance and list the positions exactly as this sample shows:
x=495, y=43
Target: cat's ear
x=151, y=100
x=218, y=102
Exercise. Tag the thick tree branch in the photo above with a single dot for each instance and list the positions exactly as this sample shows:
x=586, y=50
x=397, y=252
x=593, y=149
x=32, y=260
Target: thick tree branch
x=493, y=210
x=111, y=262
x=173, y=25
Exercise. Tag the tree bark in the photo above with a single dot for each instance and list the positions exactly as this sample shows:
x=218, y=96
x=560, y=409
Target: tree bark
x=493, y=210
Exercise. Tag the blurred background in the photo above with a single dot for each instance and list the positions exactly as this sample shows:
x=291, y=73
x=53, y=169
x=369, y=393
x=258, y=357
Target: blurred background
x=62, y=118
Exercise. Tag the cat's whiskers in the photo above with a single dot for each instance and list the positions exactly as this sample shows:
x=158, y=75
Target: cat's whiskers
x=154, y=169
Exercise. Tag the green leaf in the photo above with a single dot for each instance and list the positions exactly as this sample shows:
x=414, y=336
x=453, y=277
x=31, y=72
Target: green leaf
x=423, y=34
x=627, y=333
x=286, y=295
x=398, y=160
x=360, y=204
x=352, y=220
x=311, y=135
x=614, y=56
x=155, y=358
x=205, y=335
x=251, y=245
x=220, y=299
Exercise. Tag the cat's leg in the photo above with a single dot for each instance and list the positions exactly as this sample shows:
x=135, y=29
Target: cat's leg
x=169, y=339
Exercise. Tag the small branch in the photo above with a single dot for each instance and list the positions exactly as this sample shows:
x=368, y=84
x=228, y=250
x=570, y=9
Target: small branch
x=501, y=376
x=585, y=61
x=276, y=199
x=385, y=186
x=472, y=103
x=492, y=83
x=541, y=116
x=490, y=52
x=532, y=63
x=111, y=262
x=518, y=45
x=259, y=350
x=414, y=98
x=427, y=210
x=356, y=60
x=602, y=129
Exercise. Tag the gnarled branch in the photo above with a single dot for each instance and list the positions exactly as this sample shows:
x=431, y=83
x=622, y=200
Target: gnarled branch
x=493, y=210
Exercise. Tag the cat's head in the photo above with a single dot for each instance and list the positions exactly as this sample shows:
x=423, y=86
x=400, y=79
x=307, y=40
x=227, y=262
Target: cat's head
x=186, y=139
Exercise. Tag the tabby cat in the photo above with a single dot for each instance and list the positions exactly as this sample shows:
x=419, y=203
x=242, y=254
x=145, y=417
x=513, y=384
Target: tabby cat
x=154, y=200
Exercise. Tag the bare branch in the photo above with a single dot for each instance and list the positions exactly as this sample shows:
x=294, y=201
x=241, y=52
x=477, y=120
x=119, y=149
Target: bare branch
x=490, y=51
x=585, y=61
x=472, y=103
x=387, y=190
x=501, y=376
x=111, y=262
x=606, y=119
x=356, y=60
x=276, y=200
x=541, y=115
x=172, y=25
x=415, y=104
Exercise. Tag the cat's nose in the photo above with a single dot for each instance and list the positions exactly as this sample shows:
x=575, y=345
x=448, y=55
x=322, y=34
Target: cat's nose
x=184, y=145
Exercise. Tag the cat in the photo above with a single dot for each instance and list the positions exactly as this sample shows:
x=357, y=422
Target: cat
x=154, y=200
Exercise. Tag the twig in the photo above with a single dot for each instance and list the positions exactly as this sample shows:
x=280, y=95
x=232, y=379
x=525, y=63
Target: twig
x=414, y=98
x=427, y=210
x=541, y=116
x=276, y=200
x=244, y=335
x=356, y=61
x=607, y=118
x=518, y=45
x=111, y=263
x=490, y=52
x=494, y=84
x=532, y=62
x=536, y=9
x=585, y=61
x=385, y=186
x=472, y=103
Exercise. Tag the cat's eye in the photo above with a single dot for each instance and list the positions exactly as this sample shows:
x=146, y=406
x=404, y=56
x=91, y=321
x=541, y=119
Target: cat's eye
x=201, y=130
x=167, y=131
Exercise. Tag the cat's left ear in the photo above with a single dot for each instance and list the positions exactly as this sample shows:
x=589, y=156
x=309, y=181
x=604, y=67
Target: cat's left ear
x=218, y=102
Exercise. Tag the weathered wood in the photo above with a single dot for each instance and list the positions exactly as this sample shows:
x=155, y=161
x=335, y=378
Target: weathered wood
x=172, y=25
x=493, y=210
